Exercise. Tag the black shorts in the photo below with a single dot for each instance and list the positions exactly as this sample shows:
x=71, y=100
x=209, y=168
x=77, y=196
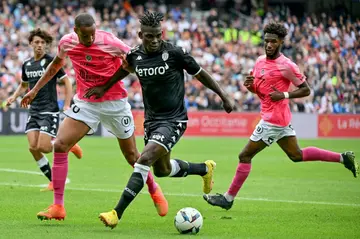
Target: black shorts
x=45, y=123
x=166, y=134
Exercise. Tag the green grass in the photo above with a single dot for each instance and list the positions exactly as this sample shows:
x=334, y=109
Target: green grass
x=280, y=199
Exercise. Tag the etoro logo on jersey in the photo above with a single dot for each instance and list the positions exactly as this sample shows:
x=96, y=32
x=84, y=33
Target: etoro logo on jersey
x=151, y=71
x=34, y=74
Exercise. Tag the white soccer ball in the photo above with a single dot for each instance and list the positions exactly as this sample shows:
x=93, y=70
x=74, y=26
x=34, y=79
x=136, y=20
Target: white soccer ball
x=188, y=220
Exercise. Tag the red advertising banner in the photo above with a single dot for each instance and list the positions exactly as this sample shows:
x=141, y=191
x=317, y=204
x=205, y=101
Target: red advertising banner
x=339, y=125
x=208, y=123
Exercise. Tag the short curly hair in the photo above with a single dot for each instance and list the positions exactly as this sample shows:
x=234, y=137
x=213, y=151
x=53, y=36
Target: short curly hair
x=42, y=34
x=276, y=28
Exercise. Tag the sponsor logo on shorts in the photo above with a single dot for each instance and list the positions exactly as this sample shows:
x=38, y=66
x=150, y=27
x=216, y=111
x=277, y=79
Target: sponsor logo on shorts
x=158, y=137
x=125, y=121
x=259, y=129
x=44, y=128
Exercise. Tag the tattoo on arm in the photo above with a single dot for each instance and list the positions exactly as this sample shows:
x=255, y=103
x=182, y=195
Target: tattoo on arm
x=52, y=71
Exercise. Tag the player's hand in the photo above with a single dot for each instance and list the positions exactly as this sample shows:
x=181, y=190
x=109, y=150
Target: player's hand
x=249, y=80
x=10, y=100
x=97, y=91
x=66, y=107
x=228, y=104
x=276, y=95
x=28, y=98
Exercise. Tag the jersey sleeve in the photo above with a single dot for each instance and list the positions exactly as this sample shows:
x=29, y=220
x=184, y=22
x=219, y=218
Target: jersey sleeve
x=60, y=74
x=293, y=74
x=188, y=63
x=119, y=46
x=23, y=74
x=61, y=47
x=130, y=60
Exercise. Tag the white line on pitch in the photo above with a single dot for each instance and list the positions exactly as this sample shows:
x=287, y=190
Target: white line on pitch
x=191, y=195
x=11, y=170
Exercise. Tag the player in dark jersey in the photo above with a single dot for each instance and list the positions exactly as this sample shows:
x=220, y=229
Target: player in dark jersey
x=43, y=118
x=160, y=68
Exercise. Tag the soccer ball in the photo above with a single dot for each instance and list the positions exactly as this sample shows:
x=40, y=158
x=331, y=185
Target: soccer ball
x=188, y=220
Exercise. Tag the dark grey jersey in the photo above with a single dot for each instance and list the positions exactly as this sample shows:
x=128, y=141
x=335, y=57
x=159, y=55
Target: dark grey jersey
x=46, y=99
x=161, y=76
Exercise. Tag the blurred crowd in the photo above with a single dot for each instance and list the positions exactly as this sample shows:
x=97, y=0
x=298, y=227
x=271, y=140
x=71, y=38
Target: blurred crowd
x=327, y=50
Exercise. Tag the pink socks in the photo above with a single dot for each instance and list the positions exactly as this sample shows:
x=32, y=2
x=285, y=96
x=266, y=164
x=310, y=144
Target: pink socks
x=316, y=154
x=152, y=185
x=242, y=172
x=59, y=173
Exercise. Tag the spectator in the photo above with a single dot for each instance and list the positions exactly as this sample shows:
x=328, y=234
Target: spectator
x=326, y=49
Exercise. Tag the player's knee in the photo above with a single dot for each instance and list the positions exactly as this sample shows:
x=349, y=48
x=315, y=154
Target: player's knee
x=244, y=157
x=33, y=149
x=45, y=148
x=61, y=147
x=296, y=156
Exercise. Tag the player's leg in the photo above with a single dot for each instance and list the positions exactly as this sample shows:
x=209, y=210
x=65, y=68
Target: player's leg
x=158, y=143
x=117, y=118
x=49, y=124
x=167, y=167
x=131, y=154
x=81, y=120
x=262, y=136
x=150, y=154
x=129, y=150
x=33, y=132
x=45, y=146
x=40, y=158
x=289, y=144
x=167, y=135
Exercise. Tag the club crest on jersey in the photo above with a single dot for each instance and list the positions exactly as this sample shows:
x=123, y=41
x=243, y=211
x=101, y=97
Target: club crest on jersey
x=42, y=62
x=262, y=72
x=88, y=57
x=165, y=55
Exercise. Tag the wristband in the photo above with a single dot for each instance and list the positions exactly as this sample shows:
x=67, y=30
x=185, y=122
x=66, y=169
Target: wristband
x=286, y=94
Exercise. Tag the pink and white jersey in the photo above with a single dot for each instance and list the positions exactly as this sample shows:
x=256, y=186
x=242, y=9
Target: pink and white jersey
x=95, y=65
x=278, y=73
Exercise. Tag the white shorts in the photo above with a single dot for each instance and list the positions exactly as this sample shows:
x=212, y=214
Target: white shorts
x=270, y=133
x=115, y=116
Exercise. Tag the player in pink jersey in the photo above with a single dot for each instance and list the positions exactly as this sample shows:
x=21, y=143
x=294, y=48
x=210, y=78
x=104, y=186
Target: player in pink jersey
x=272, y=75
x=95, y=56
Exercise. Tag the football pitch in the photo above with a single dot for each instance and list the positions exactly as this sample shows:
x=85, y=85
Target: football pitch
x=280, y=199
